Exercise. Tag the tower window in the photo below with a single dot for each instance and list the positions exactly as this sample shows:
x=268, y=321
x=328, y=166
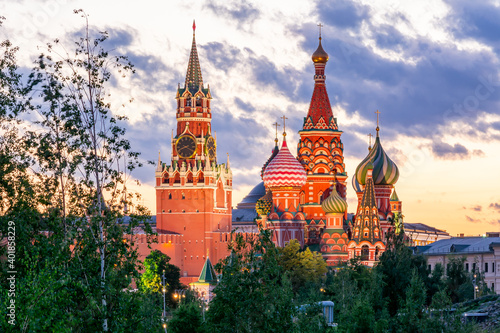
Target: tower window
x=486, y=267
x=188, y=101
x=183, y=196
x=170, y=195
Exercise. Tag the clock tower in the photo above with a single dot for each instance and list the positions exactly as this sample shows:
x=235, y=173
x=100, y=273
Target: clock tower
x=194, y=193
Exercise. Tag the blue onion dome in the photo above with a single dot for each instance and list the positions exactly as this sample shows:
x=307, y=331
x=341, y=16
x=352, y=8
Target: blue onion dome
x=356, y=186
x=334, y=204
x=385, y=171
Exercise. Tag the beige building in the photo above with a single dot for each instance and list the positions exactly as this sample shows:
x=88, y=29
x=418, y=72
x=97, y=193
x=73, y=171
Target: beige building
x=423, y=234
x=482, y=254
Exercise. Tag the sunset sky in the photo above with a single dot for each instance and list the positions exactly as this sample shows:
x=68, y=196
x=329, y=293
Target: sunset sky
x=431, y=67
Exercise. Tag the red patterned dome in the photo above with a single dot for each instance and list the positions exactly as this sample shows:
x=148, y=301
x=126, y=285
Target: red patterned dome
x=284, y=170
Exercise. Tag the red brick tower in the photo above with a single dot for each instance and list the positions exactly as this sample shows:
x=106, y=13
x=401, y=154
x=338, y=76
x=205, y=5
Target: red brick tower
x=193, y=193
x=320, y=151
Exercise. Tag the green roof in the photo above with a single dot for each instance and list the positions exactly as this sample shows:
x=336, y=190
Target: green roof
x=208, y=274
x=394, y=196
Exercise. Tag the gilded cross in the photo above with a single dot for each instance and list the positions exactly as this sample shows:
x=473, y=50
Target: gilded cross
x=377, y=112
x=276, y=125
x=284, y=126
x=320, y=26
x=370, y=136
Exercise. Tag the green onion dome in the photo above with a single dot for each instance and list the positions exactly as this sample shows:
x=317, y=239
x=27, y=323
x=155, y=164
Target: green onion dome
x=385, y=171
x=334, y=204
x=264, y=204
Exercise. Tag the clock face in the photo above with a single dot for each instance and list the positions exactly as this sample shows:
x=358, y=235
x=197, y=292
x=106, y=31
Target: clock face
x=211, y=151
x=186, y=146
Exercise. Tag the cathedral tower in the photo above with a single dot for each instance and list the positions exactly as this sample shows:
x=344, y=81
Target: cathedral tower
x=320, y=151
x=284, y=177
x=385, y=174
x=333, y=244
x=193, y=193
x=367, y=239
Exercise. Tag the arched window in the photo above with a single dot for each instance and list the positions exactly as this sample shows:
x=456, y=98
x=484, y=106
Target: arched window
x=365, y=252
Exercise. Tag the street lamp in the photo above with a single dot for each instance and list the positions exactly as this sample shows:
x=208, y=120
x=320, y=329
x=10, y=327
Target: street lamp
x=179, y=294
x=475, y=286
x=164, y=314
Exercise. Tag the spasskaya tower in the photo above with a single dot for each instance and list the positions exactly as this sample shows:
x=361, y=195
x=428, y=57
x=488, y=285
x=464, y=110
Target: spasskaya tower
x=194, y=193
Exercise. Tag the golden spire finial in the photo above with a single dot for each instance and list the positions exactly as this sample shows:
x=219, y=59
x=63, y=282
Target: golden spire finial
x=284, y=125
x=378, y=128
x=276, y=125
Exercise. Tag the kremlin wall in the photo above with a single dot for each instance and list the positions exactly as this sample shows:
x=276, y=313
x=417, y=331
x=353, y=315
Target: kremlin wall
x=302, y=198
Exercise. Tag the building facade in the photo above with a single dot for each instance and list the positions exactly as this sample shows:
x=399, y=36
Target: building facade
x=482, y=255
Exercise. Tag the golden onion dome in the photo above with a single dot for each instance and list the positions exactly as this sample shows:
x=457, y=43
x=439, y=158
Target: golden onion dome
x=320, y=56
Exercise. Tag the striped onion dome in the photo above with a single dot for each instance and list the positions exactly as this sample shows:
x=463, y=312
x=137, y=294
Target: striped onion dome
x=334, y=204
x=264, y=204
x=356, y=186
x=385, y=171
x=284, y=170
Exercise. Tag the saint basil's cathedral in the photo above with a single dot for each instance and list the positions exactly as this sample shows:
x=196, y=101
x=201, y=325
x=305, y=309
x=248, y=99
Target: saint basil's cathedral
x=302, y=198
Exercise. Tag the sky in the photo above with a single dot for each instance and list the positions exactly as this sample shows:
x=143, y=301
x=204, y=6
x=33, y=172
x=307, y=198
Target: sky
x=431, y=67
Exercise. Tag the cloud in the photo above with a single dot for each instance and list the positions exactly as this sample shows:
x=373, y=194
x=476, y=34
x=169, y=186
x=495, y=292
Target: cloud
x=342, y=13
x=480, y=21
x=495, y=206
x=221, y=56
x=477, y=208
x=448, y=152
x=239, y=11
x=472, y=220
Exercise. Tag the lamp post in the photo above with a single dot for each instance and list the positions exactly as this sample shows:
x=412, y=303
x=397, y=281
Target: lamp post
x=164, y=314
x=179, y=294
x=475, y=286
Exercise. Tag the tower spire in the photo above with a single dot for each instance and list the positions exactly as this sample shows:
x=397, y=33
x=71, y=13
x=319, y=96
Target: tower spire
x=284, y=126
x=378, y=128
x=320, y=103
x=158, y=165
x=276, y=139
x=193, y=76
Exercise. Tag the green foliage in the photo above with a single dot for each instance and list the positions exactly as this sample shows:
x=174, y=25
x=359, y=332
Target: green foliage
x=305, y=267
x=63, y=184
x=156, y=265
x=255, y=292
x=187, y=318
x=458, y=281
x=395, y=269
